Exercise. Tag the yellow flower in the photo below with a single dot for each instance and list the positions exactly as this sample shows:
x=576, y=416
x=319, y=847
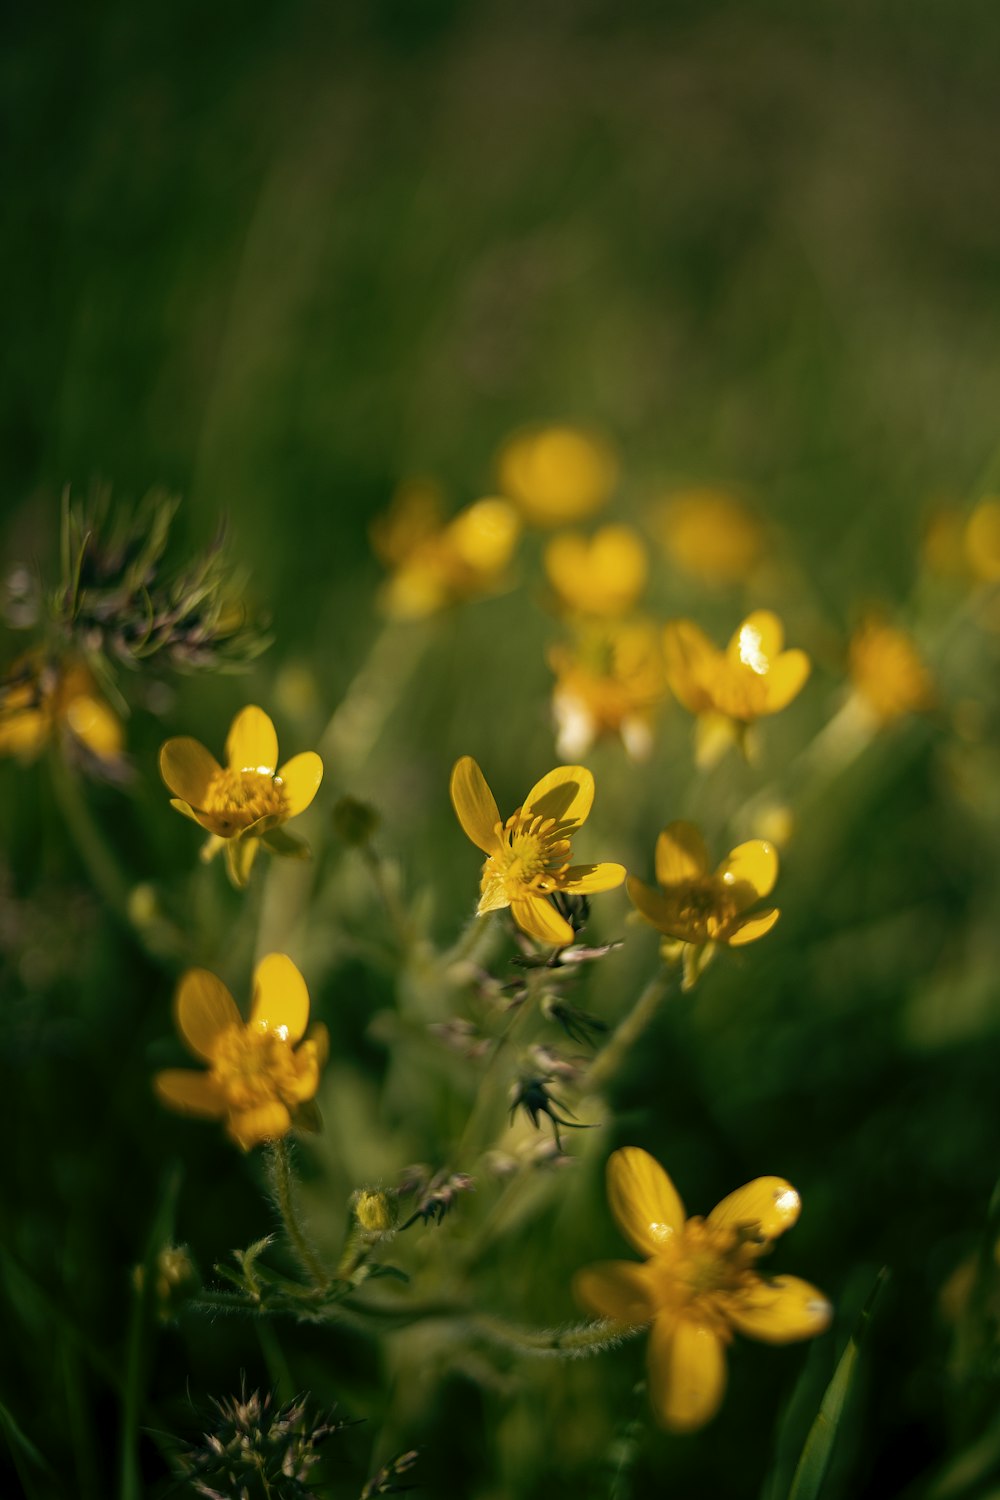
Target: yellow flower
x=259, y=1078
x=699, y=1284
x=557, y=474
x=528, y=856
x=245, y=803
x=709, y=534
x=888, y=673
x=602, y=575
x=42, y=699
x=982, y=541
x=608, y=683
x=699, y=910
x=437, y=563
x=727, y=690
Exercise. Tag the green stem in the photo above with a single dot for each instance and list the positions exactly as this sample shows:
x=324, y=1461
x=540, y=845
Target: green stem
x=566, y=1343
x=609, y=1060
x=357, y=722
x=389, y=897
x=283, y=1183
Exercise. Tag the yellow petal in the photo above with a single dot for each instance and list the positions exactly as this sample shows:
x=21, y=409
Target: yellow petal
x=96, y=725
x=268, y=1122
x=586, y=879
x=309, y=1061
x=191, y=1093
x=687, y=652
x=751, y=870
x=680, y=854
x=240, y=855
x=645, y=1204
x=300, y=778
x=475, y=805
x=786, y=679
x=749, y=929
x=757, y=641
x=484, y=535
x=280, y=998
x=781, y=1310
x=252, y=744
x=714, y=734
x=617, y=1289
x=769, y=1204
x=187, y=768
x=566, y=794
x=540, y=920
x=203, y=1010
x=660, y=908
x=687, y=1374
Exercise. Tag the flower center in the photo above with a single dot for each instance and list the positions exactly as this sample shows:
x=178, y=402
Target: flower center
x=704, y=1268
x=739, y=690
x=534, y=855
x=254, y=1065
x=240, y=798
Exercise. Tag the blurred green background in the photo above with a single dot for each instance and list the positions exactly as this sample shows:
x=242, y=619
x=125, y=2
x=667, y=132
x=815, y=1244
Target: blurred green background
x=280, y=258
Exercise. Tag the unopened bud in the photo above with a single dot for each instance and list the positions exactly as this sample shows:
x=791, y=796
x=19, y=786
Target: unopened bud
x=376, y=1212
x=355, y=822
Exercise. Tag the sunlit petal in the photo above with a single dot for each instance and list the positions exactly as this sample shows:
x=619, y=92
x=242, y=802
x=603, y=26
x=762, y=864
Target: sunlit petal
x=204, y=1009
x=769, y=1203
x=475, y=805
x=280, y=998
x=660, y=908
x=252, y=743
x=786, y=679
x=188, y=768
x=757, y=641
x=566, y=794
x=680, y=854
x=687, y=653
x=540, y=920
x=617, y=1289
x=751, y=869
x=586, y=879
x=300, y=778
x=687, y=1373
x=646, y=1206
x=781, y=1311
x=191, y=1093
x=749, y=929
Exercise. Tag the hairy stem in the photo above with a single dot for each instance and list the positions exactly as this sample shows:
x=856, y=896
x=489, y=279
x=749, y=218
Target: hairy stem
x=283, y=1187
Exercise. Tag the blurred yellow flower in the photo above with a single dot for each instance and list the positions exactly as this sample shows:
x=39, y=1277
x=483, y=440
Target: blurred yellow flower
x=887, y=671
x=245, y=803
x=727, y=690
x=528, y=855
x=982, y=541
x=697, y=909
x=699, y=1284
x=600, y=576
x=43, y=699
x=709, y=534
x=259, y=1077
x=555, y=475
x=437, y=563
x=608, y=682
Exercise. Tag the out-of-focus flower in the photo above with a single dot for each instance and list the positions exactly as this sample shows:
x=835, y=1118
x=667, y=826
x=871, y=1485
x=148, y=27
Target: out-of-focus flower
x=259, y=1076
x=697, y=910
x=728, y=690
x=943, y=541
x=245, y=803
x=887, y=671
x=527, y=857
x=600, y=576
x=121, y=595
x=435, y=562
x=609, y=681
x=556, y=475
x=699, y=1284
x=982, y=541
x=43, y=699
x=709, y=534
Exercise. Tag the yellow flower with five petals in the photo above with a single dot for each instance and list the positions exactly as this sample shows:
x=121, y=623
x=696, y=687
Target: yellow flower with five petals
x=601, y=576
x=261, y=1073
x=699, y=1283
x=527, y=857
x=244, y=803
x=728, y=690
x=695, y=909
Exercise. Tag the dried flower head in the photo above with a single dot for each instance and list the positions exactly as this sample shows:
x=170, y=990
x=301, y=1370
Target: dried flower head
x=257, y=1451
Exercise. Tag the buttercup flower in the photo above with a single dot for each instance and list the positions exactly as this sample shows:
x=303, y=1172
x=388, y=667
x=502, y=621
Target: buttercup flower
x=699, y=1284
x=600, y=576
x=244, y=804
x=709, y=534
x=727, y=690
x=437, y=563
x=557, y=474
x=697, y=910
x=887, y=672
x=43, y=699
x=528, y=855
x=982, y=541
x=261, y=1073
x=608, y=682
